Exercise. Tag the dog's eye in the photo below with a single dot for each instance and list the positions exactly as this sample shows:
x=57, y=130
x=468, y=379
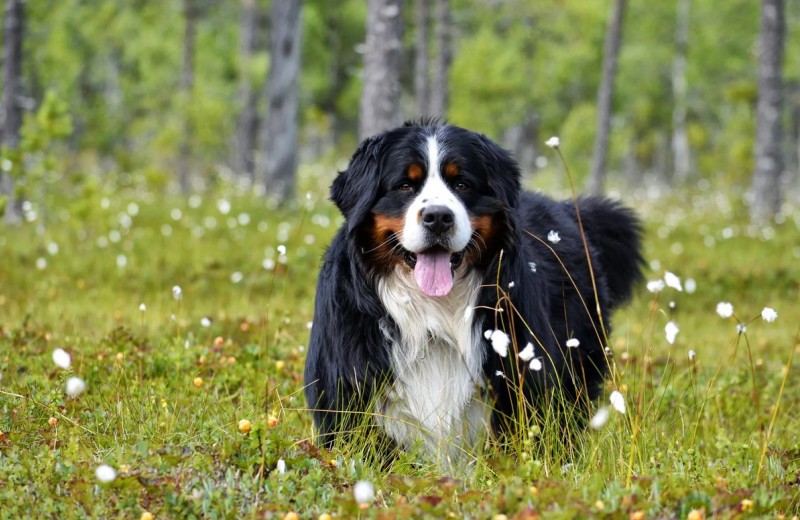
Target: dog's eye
x=406, y=186
x=461, y=186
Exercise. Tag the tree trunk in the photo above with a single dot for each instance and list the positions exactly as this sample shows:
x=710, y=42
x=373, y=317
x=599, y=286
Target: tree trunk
x=766, y=195
x=187, y=81
x=605, y=96
x=279, y=135
x=421, y=77
x=680, y=140
x=11, y=109
x=442, y=60
x=380, y=97
x=247, y=126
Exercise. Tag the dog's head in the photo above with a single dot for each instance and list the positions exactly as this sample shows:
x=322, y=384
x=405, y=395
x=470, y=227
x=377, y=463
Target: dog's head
x=429, y=198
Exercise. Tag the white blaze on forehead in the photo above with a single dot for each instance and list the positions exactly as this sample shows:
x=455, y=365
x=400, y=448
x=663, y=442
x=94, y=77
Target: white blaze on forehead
x=435, y=192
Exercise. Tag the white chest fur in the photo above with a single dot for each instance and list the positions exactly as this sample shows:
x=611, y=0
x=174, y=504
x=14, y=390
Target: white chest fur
x=437, y=359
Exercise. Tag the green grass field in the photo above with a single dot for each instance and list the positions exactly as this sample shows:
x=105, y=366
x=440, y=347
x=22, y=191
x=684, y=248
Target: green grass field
x=169, y=380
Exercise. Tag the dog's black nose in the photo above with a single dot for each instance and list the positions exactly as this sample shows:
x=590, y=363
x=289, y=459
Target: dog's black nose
x=438, y=219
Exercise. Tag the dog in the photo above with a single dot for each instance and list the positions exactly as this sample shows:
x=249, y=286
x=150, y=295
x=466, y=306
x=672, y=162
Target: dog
x=450, y=301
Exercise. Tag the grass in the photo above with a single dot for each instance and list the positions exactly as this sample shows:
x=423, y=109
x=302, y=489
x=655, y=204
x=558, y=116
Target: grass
x=716, y=435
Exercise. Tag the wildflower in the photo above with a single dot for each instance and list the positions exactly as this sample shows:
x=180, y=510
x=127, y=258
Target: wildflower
x=655, y=286
x=511, y=284
x=599, y=505
x=741, y=328
x=600, y=418
x=691, y=355
x=105, y=473
x=673, y=281
x=500, y=342
x=553, y=142
x=61, y=358
x=617, y=401
x=146, y=515
x=177, y=293
x=223, y=206
x=536, y=364
x=526, y=354
x=198, y=382
x=281, y=467
x=696, y=514
x=363, y=492
x=690, y=285
x=272, y=421
x=205, y=321
x=746, y=505
x=573, y=342
x=41, y=263
x=553, y=236
x=325, y=516
x=122, y=261
x=142, y=307
x=291, y=515
x=488, y=333
x=769, y=314
x=237, y=277
x=52, y=421
x=75, y=386
x=724, y=309
x=245, y=426
x=279, y=364
x=671, y=330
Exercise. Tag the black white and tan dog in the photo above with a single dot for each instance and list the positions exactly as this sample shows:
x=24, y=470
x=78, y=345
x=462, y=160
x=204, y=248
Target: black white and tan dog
x=440, y=247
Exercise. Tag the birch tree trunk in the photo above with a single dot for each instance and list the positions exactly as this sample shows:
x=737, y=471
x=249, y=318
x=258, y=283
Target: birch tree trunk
x=11, y=109
x=766, y=196
x=187, y=82
x=681, y=159
x=605, y=97
x=247, y=125
x=421, y=77
x=442, y=59
x=279, y=134
x=380, y=97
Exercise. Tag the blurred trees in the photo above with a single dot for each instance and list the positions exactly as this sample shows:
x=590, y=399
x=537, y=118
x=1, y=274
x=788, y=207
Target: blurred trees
x=769, y=113
x=380, y=95
x=279, y=133
x=521, y=70
x=11, y=107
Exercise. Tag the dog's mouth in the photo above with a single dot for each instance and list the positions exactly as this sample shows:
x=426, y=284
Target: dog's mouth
x=433, y=269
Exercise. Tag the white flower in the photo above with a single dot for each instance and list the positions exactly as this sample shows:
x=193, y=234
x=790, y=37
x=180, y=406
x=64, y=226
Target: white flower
x=105, y=473
x=769, y=314
x=536, y=364
x=363, y=492
x=673, y=281
x=553, y=142
x=741, y=328
x=281, y=466
x=75, y=386
x=617, y=401
x=532, y=266
x=205, y=321
x=142, y=307
x=600, y=418
x=655, y=286
x=237, y=277
x=526, y=354
x=573, y=342
x=692, y=354
x=281, y=249
x=177, y=293
x=511, y=284
x=553, y=236
x=500, y=342
x=224, y=206
x=61, y=358
x=725, y=309
x=41, y=263
x=488, y=333
x=671, y=330
x=690, y=285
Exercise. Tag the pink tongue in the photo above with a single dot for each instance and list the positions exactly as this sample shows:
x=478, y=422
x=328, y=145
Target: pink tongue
x=432, y=273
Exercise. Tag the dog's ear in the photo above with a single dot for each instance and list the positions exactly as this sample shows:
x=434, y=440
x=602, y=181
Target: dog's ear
x=502, y=171
x=354, y=189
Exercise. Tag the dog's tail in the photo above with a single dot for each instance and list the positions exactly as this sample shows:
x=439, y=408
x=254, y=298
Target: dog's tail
x=615, y=235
